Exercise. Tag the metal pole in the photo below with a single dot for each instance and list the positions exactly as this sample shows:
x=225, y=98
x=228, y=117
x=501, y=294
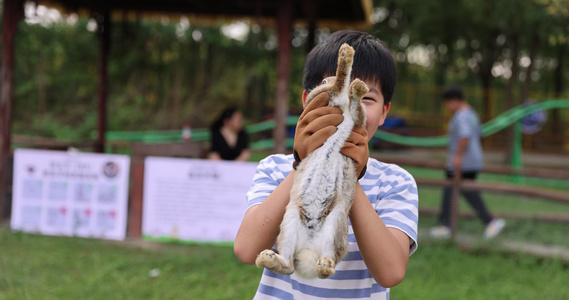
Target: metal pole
x=516, y=161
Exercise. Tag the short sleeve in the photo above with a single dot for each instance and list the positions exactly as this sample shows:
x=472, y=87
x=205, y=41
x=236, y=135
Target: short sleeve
x=464, y=125
x=270, y=172
x=398, y=206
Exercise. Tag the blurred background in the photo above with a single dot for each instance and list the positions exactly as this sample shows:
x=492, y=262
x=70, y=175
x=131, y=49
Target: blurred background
x=167, y=71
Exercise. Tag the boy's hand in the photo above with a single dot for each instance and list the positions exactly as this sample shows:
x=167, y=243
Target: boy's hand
x=317, y=123
x=357, y=149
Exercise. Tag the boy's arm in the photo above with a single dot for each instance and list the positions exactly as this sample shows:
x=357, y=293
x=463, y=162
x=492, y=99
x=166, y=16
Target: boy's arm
x=385, y=250
x=460, y=149
x=464, y=132
x=260, y=225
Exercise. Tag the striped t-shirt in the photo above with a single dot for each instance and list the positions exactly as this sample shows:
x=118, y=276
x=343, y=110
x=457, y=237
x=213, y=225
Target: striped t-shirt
x=393, y=193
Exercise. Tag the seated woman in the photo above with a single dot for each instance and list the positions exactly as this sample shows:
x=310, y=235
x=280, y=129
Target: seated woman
x=228, y=139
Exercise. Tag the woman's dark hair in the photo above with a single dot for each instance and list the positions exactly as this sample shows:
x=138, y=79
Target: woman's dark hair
x=225, y=115
x=372, y=61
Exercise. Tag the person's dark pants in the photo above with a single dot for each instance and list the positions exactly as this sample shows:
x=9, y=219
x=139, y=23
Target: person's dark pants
x=472, y=196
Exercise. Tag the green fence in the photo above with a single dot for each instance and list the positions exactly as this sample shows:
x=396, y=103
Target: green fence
x=502, y=121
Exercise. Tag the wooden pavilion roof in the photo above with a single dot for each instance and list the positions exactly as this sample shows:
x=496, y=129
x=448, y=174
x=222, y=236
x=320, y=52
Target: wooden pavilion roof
x=334, y=14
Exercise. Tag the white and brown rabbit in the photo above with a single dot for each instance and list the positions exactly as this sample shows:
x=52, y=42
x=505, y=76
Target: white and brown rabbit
x=313, y=235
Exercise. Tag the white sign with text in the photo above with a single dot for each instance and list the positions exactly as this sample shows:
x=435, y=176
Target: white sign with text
x=194, y=199
x=70, y=193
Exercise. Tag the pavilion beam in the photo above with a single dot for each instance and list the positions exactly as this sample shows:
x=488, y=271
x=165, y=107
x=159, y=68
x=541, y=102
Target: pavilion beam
x=104, y=28
x=12, y=13
x=284, y=28
x=311, y=12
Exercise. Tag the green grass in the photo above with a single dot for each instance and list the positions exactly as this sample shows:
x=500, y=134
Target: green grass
x=430, y=197
x=443, y=271
x=547, y=183
x=45, y=267
x=523, y=231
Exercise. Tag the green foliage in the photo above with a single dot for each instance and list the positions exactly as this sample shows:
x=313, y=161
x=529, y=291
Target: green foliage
x=159, y=77
x=55, y=81
x=482, y=45
x=162, y=74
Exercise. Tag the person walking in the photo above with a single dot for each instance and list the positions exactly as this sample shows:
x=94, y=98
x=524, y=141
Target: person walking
x=464, y=156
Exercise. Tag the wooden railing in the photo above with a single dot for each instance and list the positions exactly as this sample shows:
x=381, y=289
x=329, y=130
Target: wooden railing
x=459, y=184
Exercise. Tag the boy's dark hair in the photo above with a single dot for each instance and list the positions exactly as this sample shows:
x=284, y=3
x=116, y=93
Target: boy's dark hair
x=372, y=61
x=453, y=93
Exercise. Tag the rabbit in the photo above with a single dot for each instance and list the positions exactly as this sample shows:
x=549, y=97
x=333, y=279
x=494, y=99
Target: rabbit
x=313, y=235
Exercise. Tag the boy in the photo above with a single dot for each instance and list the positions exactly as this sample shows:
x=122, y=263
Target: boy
x=384, y=214
x=464, y=156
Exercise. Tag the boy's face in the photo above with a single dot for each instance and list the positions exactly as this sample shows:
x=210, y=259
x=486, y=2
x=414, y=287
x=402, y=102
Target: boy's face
x=452, y=104
x=376, y=111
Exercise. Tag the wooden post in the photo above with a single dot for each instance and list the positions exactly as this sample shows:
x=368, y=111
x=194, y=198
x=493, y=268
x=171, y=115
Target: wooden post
x=453, y=220
x=104, y=28
x=12, y=13
x=284, y=27
x=565, y=135
x=136, y=194
x=311, y=11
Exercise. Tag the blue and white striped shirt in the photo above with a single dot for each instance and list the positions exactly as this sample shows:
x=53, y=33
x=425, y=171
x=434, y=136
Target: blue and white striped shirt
x=393, y=193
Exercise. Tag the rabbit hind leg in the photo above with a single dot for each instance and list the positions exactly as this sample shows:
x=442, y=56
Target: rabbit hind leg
x=274, y=262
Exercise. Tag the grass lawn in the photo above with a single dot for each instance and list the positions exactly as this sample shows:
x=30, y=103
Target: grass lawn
x=45, y=267
x=443, y=271
x=430, y=197
x=547, y=183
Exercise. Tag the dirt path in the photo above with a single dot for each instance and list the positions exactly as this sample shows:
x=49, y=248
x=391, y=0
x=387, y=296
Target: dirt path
x=532, y=160
x=472, y=242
